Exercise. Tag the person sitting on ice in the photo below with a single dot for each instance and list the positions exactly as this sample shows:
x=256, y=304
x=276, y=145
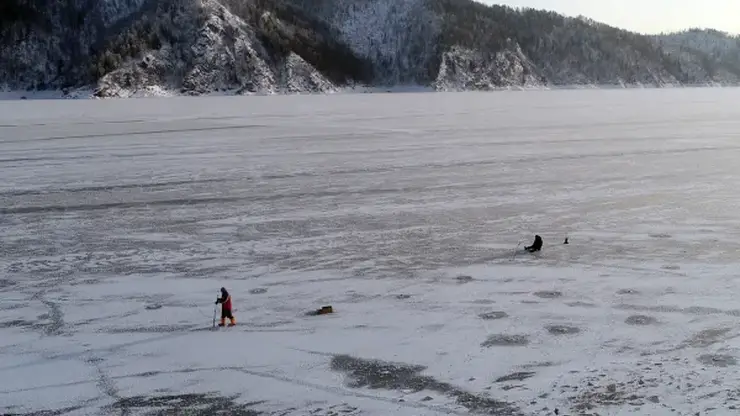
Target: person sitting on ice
x=225, y=301
x=536, y=246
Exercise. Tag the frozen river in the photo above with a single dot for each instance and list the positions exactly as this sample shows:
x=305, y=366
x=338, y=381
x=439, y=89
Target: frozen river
x=120, y=220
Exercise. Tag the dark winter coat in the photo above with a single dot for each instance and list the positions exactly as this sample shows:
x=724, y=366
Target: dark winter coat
x=536, y=246
x=224, y=300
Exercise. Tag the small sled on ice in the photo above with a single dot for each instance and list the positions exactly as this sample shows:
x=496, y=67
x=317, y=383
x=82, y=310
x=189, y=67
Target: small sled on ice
x=324, y=310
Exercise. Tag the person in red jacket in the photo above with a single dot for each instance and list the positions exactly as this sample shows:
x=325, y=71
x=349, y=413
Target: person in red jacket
x=225, y=301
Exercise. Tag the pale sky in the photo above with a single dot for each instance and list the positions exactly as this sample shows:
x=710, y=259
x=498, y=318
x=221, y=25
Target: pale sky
x=645, y=16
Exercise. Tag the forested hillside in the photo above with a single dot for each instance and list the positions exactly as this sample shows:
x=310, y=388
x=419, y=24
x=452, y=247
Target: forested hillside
x=127, y=47
x=705, y=55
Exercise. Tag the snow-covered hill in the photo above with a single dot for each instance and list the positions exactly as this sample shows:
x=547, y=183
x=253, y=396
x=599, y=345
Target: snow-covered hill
x=223, y=53
x=142, y=47
x=124, y=48
x=705, y=55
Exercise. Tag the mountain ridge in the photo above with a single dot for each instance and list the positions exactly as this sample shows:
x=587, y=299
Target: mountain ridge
x=123, y=48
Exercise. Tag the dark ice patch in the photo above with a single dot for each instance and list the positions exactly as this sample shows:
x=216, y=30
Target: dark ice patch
x=343, y=409
x=258, y=291
x=548, y=294
x=190, y=404
x=493, y=315
x=659, y=235
x=16, y=323
x=640, y=320
x=149, y=329
x=464, y=279
x=520, y=376
x=85, y=282
x=54, y=412
x=562, y=329
x=504, y=340
x=596, y=396
x=671, y=267
x=271, y=324
x=579, y=304
x=397, y=376
x=539, y=364
x=707, y=337
x=717, y=360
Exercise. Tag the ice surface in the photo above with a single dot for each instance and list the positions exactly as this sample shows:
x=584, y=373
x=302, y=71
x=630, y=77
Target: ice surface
x=121, y=220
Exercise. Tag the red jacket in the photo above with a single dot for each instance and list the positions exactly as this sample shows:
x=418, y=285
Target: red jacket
x=225, y=300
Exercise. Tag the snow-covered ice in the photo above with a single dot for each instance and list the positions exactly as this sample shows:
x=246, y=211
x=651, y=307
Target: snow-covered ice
x=121, y=219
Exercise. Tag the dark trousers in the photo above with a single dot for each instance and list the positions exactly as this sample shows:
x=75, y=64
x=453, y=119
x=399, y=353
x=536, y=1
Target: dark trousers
x=226, y=313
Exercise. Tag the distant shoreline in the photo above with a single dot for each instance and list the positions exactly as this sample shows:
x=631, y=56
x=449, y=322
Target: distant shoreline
x=158, y=92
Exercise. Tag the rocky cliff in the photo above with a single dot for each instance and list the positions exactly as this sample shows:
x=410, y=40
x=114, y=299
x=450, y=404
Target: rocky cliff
x=142, y=47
